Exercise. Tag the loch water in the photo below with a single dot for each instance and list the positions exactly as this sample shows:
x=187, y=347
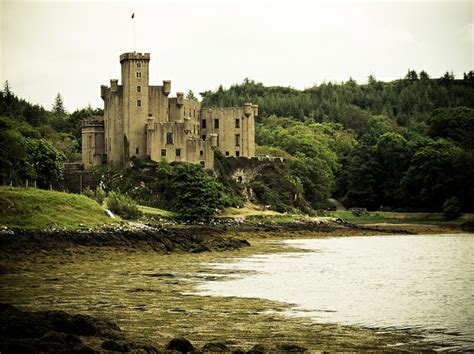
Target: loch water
x=420, y=282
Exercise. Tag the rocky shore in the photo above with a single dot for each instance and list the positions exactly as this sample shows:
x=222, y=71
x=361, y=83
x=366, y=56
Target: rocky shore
x=60, y=332
x=161, y=240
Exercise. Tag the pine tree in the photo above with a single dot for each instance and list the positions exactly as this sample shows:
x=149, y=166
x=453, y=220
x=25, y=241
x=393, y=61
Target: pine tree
x=191, y=96
x=58, y=106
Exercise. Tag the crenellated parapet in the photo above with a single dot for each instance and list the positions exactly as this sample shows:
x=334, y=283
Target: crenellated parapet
x=134, y=56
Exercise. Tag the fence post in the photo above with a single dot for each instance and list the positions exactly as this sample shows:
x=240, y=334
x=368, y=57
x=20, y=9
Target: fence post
x=80, y=182
x=35, y=184
x=26, y=183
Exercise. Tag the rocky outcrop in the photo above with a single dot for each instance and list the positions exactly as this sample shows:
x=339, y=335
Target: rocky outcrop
x=49, y=331
x=192, y=240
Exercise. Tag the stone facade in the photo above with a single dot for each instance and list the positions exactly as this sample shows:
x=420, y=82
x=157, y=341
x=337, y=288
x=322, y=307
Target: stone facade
x=142, y=121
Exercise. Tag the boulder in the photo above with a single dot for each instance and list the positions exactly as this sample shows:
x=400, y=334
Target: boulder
x=116, y=346
x=215, y=347
x=181, y=345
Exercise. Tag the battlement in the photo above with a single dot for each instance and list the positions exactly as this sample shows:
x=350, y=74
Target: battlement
x=254, y=108
x=93, y=122
x=134, y=56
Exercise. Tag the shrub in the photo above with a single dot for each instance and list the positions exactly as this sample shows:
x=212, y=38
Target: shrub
x=123, y=206
x=452, y=208
x=98, y=194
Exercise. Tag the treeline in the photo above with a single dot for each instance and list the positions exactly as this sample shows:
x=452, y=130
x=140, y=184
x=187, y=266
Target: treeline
x=405, y=145
x=406, y=101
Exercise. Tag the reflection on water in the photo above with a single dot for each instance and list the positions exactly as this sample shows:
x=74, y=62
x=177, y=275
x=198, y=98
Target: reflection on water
x=424, y=282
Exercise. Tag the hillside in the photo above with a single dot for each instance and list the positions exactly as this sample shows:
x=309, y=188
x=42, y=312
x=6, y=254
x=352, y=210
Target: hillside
x=29, y=208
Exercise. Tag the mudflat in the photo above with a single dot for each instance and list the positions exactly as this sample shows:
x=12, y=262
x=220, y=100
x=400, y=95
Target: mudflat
x=146, y=292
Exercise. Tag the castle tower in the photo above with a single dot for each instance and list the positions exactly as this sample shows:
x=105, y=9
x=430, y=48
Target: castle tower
x=135, y=82
x=92, y=142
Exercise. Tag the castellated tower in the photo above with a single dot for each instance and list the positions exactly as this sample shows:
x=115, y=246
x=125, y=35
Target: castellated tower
x=141, y=121
x=135, y=75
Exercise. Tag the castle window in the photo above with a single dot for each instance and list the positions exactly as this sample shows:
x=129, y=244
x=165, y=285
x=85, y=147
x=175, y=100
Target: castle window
x=203, y=137
x=201, y=153
x=202, y=163
x=139, y=74
x=139, y=65
x=139, y=89
x=203, y=123
x=216, y=123
x=237, y=139
x=169, y=138
x=163, y=152
x=178, y=152
x=139, y=103
x=237, y=123
x=227, y=153
x=237, y=153
x=137, y=150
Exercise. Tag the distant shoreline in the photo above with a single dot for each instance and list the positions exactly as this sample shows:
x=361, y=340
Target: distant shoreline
x=220, y=236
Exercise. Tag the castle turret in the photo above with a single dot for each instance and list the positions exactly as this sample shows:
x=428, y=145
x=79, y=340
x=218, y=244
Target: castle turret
x=179, y=98
x=166, y=87
x=93, y=142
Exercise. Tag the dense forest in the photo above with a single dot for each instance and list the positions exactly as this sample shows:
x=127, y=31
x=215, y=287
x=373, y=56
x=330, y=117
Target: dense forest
x=401, y=145
x=35, y=142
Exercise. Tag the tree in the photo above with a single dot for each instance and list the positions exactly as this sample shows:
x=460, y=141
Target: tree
x=58, y=106
x=424, y=75
x=393, y=155
x=452, y=208
x=47, y=161
x=456, y=124
x=6, y=89
x=434, y=175
x=194, y=194
x=411, y=75
x=362, y=171
x=191, y=96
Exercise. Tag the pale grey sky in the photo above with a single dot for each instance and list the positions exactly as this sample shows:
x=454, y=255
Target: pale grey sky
x=74, y=47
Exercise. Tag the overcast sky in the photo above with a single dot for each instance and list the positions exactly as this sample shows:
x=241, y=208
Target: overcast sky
x=74, y=47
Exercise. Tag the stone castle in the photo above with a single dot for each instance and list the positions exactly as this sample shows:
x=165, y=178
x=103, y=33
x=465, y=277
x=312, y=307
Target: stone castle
x=141, y=121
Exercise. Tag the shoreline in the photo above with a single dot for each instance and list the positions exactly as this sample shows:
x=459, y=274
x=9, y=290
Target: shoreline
x=157, y=289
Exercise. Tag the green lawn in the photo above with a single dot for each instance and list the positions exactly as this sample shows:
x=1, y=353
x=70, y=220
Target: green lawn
x=30, y=208
x=398, y=218
x=155, y=212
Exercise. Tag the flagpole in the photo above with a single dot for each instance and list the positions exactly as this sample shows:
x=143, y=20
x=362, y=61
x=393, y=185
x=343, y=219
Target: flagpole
x=134, y=36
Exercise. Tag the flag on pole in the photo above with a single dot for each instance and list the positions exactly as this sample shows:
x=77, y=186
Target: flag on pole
x=133, y=15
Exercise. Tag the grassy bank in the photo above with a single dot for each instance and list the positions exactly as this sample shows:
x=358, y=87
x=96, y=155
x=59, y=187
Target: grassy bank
x=30, y=208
